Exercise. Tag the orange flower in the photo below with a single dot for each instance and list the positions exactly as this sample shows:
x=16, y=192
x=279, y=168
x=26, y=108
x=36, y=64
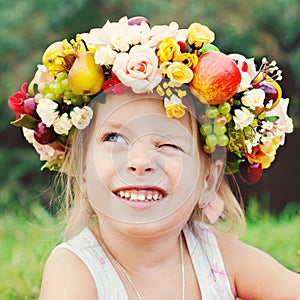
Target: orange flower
x=264, y=154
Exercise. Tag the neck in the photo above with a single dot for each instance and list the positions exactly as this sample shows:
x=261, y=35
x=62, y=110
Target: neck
x=138, y=253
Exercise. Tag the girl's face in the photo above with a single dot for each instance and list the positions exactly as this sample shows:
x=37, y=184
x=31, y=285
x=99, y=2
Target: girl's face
x=141, y=166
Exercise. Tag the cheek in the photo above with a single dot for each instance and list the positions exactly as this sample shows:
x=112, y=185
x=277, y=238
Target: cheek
x=104, y=164
x=184, y=173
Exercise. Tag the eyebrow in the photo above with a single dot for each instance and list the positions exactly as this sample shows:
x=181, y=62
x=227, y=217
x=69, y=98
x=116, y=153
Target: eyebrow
x=113, y=124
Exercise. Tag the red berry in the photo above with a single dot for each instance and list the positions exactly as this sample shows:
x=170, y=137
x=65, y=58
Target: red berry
x=244, y=67
x=43, y=134
x=138, y=21
x=250, y=173
x=182, y=46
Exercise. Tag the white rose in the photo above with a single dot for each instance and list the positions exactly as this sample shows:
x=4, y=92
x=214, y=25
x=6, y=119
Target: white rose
x=243, y=117
x=62, y=124
x=80, y=117
x=138, y=69
x=46, y=110
x=254, y=98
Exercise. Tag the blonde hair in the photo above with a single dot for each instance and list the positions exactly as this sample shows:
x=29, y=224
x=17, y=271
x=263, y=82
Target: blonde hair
x=80, y=214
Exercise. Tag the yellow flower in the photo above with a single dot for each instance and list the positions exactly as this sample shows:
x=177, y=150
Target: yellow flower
x=160, y=91
x=167, y=50
x=189, y=59
x=55, y=65
x=181, y=93
x=169, y=92
x=271, y=146
x=177, y=72
x=175, y=110
x=200, y=35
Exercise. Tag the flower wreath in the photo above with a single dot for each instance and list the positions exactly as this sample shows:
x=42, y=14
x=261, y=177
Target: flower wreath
x=245, y=111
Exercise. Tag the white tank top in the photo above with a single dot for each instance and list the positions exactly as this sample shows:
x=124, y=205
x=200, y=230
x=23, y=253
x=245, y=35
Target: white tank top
x=205, y=254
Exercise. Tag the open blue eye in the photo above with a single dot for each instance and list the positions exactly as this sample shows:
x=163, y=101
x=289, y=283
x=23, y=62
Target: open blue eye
x=114, y=138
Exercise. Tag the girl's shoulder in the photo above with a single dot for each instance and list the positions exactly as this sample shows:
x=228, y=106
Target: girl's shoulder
x=65, y=275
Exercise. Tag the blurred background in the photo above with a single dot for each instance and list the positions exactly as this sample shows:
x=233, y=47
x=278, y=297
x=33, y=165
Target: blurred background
x=255, y=28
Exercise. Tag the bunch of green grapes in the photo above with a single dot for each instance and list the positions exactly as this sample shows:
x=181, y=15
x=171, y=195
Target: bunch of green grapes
x=58, y=90
x=214, y=128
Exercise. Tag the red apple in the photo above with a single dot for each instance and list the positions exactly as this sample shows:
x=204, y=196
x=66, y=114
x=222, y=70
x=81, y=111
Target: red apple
x=250, y=173
x=216, y=78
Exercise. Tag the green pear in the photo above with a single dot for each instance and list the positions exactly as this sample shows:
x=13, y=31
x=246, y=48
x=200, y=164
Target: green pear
x=85, y=76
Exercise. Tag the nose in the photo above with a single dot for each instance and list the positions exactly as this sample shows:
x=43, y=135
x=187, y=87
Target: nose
x=140, y=160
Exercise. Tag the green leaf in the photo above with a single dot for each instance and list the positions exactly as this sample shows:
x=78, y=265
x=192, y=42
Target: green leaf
x=272, y=118
x=25, y=121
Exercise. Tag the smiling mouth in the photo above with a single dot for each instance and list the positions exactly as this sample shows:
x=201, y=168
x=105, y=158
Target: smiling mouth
x=140, y=195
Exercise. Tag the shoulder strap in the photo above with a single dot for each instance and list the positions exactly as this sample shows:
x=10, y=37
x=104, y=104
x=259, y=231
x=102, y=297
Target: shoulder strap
x=208, y=263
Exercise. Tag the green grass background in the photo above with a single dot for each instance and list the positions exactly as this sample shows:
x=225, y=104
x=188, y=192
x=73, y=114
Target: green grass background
x=27, y=241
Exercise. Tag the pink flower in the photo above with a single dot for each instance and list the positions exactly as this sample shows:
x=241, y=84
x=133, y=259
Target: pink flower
x=46, y=152
x=138, y=69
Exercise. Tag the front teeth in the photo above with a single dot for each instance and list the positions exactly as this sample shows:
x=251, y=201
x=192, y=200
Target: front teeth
x=142, y=195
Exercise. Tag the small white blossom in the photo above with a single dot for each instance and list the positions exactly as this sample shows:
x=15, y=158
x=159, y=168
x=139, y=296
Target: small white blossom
x=243, y=117
x=46, y=109
x=267, y=125
x=105, y=55
x=80, y=117
x=249, y=146
x=255, y=139
x=121, y=41
x=254, y=98
x=263, y=139
x=62, y=124
x=172, y=100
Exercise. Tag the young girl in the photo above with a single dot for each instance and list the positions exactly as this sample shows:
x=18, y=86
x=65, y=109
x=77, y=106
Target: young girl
x=141, y=122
